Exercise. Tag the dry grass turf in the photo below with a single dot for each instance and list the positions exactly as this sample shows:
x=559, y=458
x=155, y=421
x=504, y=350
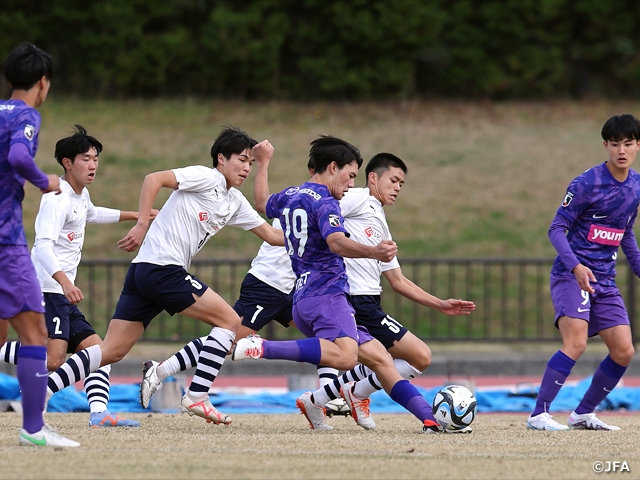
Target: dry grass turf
x=283, y=447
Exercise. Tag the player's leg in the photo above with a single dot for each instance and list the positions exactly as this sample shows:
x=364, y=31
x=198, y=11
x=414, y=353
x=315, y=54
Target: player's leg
x=4, y=331
x=9, y=350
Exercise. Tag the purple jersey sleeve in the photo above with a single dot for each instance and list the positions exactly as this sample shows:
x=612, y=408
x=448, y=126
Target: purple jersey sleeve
x=330, y=218
x=558, y=238
x=22, y=162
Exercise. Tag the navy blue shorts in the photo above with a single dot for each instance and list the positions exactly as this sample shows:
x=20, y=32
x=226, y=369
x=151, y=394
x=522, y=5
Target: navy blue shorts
x=381, y=326
x=260, y=303
x=149, y=289
x=65, y=321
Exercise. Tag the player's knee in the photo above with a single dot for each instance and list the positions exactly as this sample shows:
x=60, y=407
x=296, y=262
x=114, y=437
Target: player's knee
x=346, y=361
x=575, y=347
x=54, y=363
x=623, y=356
x=423, y=359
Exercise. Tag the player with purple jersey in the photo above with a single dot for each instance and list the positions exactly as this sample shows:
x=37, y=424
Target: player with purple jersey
x=28, y=71
x=317, y=241
x=596, y=217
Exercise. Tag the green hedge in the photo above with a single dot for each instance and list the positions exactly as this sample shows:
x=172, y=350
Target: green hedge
x=334, y=49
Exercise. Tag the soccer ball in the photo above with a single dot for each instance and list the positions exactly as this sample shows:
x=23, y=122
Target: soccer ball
x=455, y=407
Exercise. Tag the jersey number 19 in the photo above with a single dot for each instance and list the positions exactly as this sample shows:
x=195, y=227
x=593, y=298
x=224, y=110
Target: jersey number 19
x=295, y=224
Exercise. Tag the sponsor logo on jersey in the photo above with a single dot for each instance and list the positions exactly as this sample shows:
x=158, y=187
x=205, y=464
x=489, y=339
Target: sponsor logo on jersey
x=7, y=107
x=204, y=216
x=567, y=199
x=369, y=232
x=334, y=220
x=605, y=235
x=74, y=236
x=292, y=190
x=29, y=131
x=311, y=193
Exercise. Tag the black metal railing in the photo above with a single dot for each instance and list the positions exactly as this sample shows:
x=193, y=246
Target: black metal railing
x=511, y=295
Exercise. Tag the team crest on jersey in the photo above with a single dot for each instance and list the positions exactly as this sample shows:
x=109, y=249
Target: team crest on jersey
x=334, y=220
x=29, y=131
x=204, y=216
x=567, y=199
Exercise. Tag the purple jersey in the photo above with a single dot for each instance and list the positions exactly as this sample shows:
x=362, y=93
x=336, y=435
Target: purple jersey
x=601, y=210
x=309, y=214
x=18, y=123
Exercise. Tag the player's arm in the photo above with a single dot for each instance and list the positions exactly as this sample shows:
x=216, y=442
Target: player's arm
x=21, y=161
x=340, y=244
x=413, y=292
x=630, y=248
x=262, y=154
x=558, y=237
x=150, y=189
x=273, y=236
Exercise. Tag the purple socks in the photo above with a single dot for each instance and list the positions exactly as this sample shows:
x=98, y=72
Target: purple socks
x=558, y=369
x=32, y=376
x=306, y=350
x=604, y=380
x=408, y=396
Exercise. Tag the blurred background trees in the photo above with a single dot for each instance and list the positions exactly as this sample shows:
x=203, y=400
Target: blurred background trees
x=334, y=49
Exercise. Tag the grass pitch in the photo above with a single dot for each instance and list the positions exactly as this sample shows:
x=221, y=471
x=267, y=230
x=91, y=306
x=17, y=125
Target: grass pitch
x=283, y=447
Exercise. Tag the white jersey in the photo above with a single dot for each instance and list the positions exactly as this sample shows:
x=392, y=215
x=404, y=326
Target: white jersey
x=365, y=221
x=62, y=219
x=272, y=266
x=194, y=213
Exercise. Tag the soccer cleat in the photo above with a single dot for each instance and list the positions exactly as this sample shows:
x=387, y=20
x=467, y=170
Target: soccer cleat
x=202, y=407
x=107, y=419
x=150, y=382
x=46, y=437
x=314, y=414
x=337, y=407
x=429, y=426
x=588, y=421
x=359, y=407
x=544, y=421
x=466, y=429
x=249, y=347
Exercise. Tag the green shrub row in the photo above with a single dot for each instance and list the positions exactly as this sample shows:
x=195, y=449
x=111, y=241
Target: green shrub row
x=334, y=49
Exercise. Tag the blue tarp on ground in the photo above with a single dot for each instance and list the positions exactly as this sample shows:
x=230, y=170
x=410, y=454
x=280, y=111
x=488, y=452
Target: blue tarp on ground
x=125, y=398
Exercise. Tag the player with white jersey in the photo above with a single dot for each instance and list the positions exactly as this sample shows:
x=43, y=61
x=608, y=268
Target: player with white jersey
x=596, y=217
x=60, y=232
x=204, y=200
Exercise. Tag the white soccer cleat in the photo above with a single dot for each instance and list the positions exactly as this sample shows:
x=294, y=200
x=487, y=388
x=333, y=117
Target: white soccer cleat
x=588, y=421
x=202, y=407
x=544, y=422
x=337, y=407
x=466, y=429
x=359, y=407
x=431, y=427
x=150, y=382
x=314, y=414
x=249, y=347
x=46, y=437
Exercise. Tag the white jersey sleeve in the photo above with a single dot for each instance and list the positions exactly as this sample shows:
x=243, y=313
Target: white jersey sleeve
x=272, y=265
x=102, y=214
x=365, y=220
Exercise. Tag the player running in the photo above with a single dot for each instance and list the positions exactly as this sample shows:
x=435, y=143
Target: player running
x=595, y=218
x=204, y=201
x=60, y=231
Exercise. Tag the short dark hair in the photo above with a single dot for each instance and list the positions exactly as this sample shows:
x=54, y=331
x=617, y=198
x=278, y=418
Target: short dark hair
x=76, y=144
x=327, y=149
x=25, y=65
x=231, y=140
x=619, y=127
x=381, y=162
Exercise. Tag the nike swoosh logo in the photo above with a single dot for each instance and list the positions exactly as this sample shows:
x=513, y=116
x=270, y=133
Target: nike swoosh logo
x=599, y=216
x=42, y=442
x=558, y=383
x=581, y=310
x=605, y=389
x=38, y=374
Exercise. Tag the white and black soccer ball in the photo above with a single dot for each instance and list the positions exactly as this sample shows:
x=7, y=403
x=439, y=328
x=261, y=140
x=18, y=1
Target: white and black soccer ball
x=455, y=407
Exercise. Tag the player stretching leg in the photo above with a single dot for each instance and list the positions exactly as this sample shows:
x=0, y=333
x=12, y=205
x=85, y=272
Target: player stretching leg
x=316, y=241
x=28, y=71
x=204, y=201
x=596, y=217
x=60, y=231
x=365, y=220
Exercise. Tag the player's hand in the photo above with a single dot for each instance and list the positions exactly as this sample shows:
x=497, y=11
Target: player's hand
x=53, y=186
x=262, y=152
x=133, y=239
x=153, y=214
x=73, y=293
x=457, y=307
x=386, y=250
x=584, y=277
